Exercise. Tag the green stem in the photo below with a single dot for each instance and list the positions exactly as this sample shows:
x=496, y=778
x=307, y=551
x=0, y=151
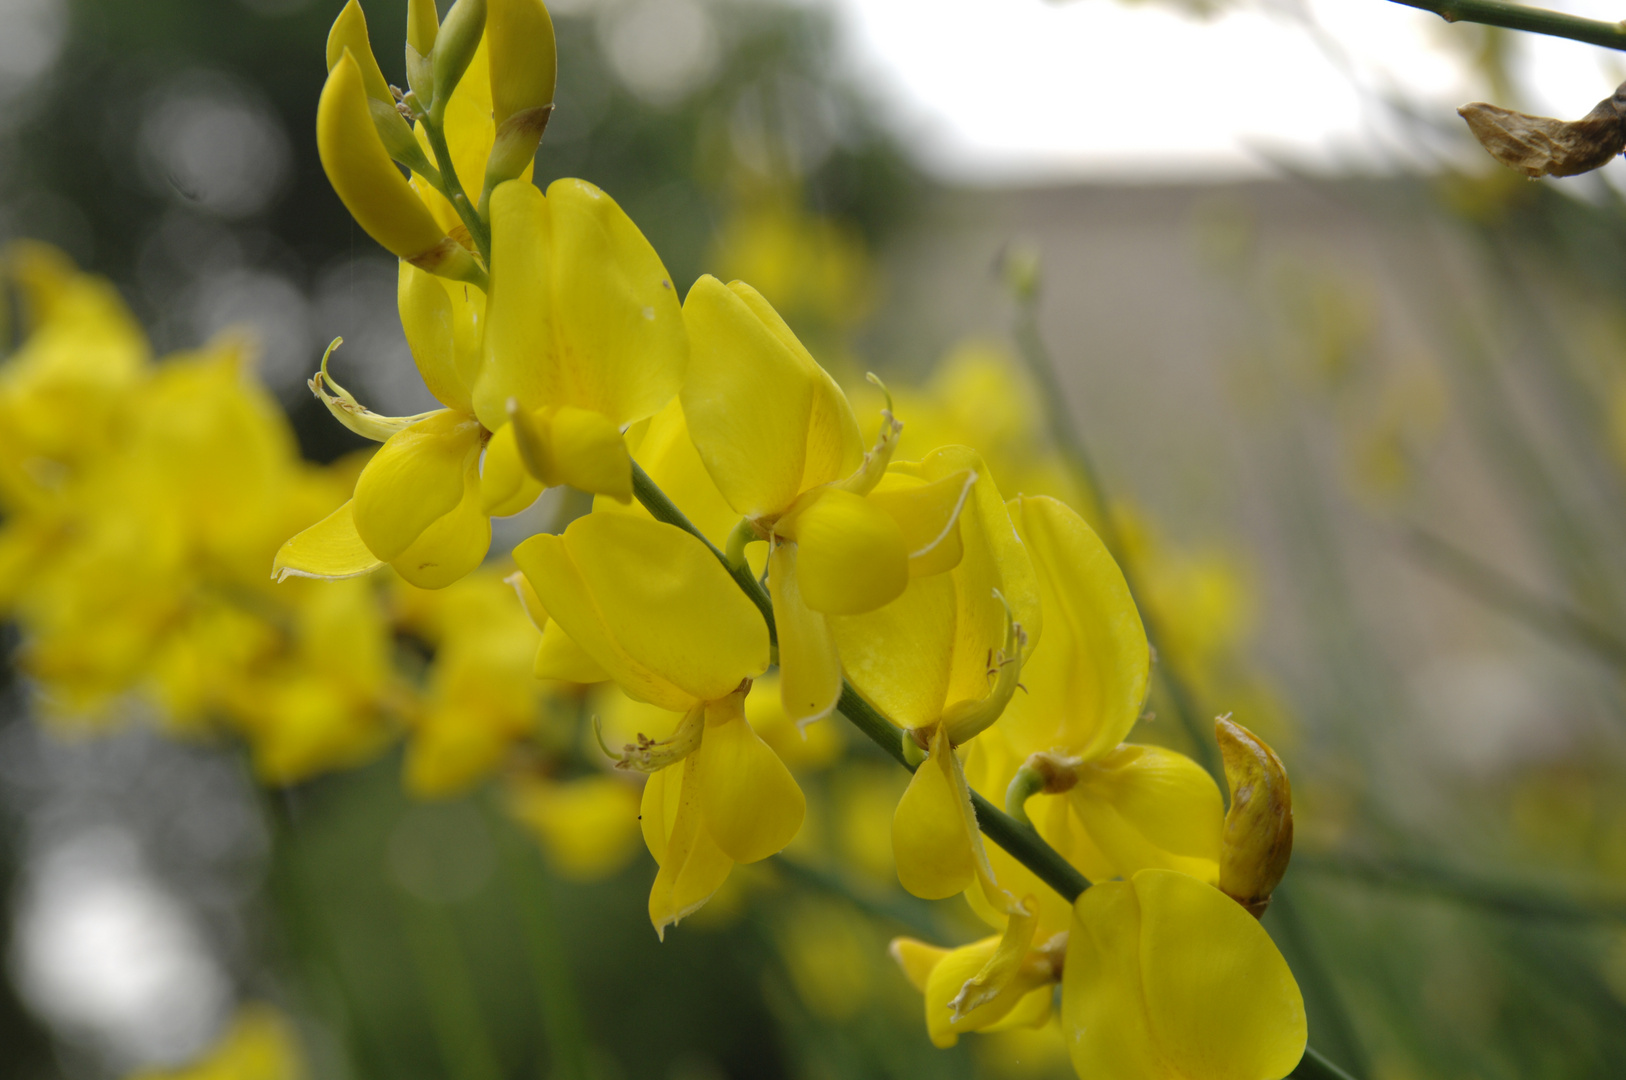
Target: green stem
x=1043, y=367
x=452, y=188
x=454, y=1012
x=1502, y=898
x=1529, y=19
x=1496, y=590
x=1315, y=1067
x=561, y=1017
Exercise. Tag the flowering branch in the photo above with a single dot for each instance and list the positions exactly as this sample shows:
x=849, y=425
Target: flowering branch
x=1022, y=842
x=1532, y=20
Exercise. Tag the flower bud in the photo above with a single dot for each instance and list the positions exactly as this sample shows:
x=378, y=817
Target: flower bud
x=423, y=25
x=372, y=188
x=1258, y=836
x=1541, y=146
x=349, y=33
x=455, y=45
x=524, y=70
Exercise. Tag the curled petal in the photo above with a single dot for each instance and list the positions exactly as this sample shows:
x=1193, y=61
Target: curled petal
x=1024, y=1001
x=330, y=549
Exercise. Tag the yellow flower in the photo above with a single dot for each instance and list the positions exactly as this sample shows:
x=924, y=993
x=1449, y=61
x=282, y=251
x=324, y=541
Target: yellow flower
x=781, y=443
x=651, y=606
x=1022, y=999
x=1116, y=807
x=1167, y=978
x=943, y=660
x=585, y=335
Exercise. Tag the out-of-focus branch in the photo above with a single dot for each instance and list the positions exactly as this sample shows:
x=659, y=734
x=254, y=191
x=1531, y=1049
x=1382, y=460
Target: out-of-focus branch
x=1496, y=590
x=1532, y=20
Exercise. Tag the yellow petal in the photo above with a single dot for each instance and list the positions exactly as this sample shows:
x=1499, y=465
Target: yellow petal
x=529, y=602
x=524, y=62
x=928, y=515
x=582, y=313
x=835, y=446
x=414, y=479
x=506, y=486
x=930, y=841
x=693, y=867
x=1144, y=806
x=1004, y=965
x=917, y=959
x=349, y=31
x=330, y=549
x=809, y=668
x=589, y=453
x=651, y=604
x=1029, y=995
x=442, y=321
x=751, y=804
x=1088, y=684
x=361, y=172
x=853, y=557
x=1214, y=998
x=768, y=421
x=559, y=657
x=901, y=656
x=452, y=545
x=1102, y=1004
x=668, y=455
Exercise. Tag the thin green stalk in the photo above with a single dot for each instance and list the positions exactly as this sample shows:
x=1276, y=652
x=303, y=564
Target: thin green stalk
x=561, y=1017
x=454, y=1012
x=1531, y=20
x=1042, y=365
x=1315, y=1067
x=452, y=188
x=1502, y=898
x=1496, y=590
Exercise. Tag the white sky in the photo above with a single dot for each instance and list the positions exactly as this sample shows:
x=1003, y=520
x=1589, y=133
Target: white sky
x=1001, y=90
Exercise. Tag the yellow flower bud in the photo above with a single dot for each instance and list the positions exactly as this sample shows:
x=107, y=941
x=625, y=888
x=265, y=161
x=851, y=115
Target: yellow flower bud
x=349, y=33
x=459, y=36
x=423, y=25
x=524, y=59
x=1258, y=838
x=524, y=70
x=372, y=189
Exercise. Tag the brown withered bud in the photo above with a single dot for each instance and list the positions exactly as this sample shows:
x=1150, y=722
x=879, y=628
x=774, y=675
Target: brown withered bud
x=1541, y=146
x=1258, y=837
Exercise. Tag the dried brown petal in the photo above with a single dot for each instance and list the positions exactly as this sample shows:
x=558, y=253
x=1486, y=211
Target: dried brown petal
x=1541, y=146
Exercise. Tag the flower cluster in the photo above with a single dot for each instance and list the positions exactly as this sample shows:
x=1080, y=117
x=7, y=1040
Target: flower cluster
x=744, y=527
